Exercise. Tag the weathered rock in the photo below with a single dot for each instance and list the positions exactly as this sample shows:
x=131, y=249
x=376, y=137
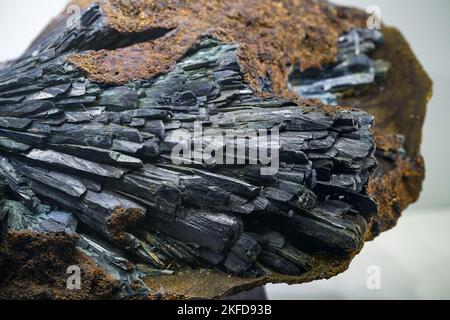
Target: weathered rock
x=90, y=117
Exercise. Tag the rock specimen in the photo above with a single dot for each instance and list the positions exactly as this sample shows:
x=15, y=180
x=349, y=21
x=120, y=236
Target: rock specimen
x=280, y=179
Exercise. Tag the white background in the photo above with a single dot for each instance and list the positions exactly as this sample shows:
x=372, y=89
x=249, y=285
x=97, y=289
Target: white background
x=413, y=257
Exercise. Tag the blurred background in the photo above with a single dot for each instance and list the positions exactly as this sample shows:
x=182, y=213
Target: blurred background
x=413, y=258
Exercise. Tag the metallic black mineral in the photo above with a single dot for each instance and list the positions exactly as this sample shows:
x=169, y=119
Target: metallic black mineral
x=77, y=157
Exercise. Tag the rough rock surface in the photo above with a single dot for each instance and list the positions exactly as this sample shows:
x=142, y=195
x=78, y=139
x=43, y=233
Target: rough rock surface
x=89, y=117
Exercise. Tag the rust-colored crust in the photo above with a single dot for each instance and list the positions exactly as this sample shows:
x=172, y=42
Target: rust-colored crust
x=34, y=265
x=210, y=284
x=120, y=220
x=394, y=191
x=272, y=36
x=388, y=143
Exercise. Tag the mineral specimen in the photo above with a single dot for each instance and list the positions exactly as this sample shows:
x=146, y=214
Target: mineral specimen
x=90, y=117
